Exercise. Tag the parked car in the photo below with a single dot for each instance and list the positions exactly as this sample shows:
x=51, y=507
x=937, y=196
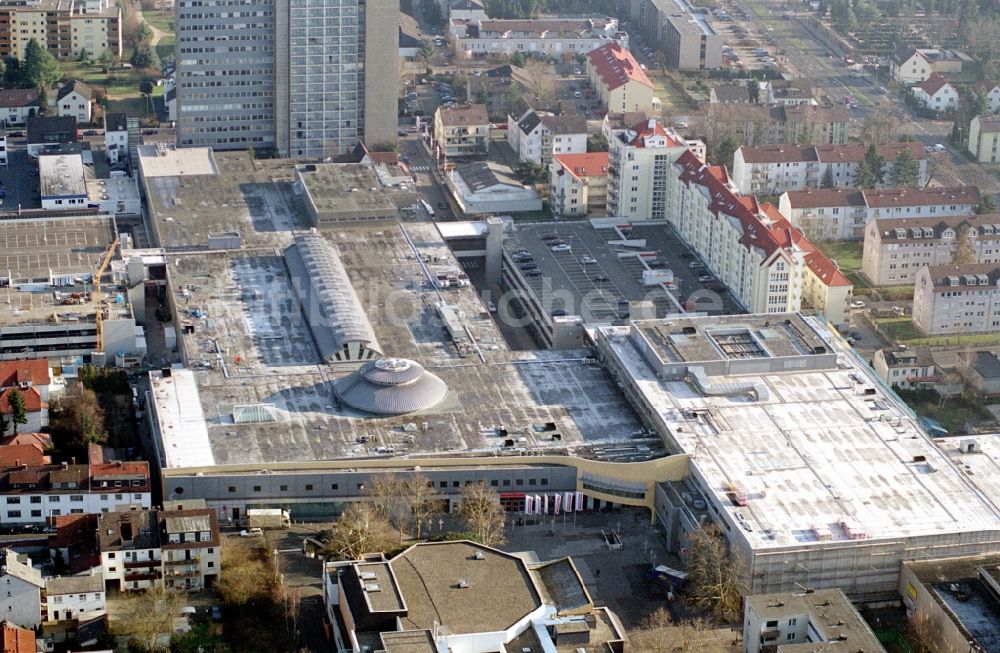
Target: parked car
x=251, y=532
x=587, y=260
x=562, y=248
x=696, y=265
x=857, y=303
x=533, y=273
x=705, y=278
x=601, y=279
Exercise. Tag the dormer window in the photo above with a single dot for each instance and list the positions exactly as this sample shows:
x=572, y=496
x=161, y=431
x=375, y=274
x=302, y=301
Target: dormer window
x=948, y=233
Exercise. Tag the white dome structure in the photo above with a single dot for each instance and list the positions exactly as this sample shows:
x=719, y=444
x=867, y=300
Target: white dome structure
x=391, y=386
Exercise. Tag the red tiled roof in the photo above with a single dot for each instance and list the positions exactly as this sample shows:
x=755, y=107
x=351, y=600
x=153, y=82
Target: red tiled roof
x=34, y=370
x=12, y=455
x=40, y=441
x=885, y=197
x=763, y=225
x=32, y=400
x=933, y=84
x=616, y=66
x=647, y=129
x=17, y=640
x=591, y=164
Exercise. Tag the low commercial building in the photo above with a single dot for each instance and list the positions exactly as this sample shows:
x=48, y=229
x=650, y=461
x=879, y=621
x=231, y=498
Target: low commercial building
x=620, y=82
x=442, y=596
x=61, y=181
x=489, y=187
x=896, y=249
x=907, y=369
x=21, y=602
x=823, y=621
x=16, y=104
x=75, y=99
x=844, y=213
x=984, y=138
x=726, y=389
x=540, y=135
x=478, y=39
x=75, y=598
x=955, y=600
x=768, y=264
x=937, y=94
x=578, y=184
x=462, y=131
x=338, y=193
x=775, y=169
x=957, y=299
x=47, y=131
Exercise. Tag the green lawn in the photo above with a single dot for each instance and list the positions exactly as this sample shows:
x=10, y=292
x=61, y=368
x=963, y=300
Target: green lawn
x=159, y=20
x=847, y=253
x=165, y=48
x=903, y=330
x=953, y=415
x=119, y=84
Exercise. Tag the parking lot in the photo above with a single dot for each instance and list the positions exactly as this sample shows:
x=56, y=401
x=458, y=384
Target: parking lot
x=19, y=179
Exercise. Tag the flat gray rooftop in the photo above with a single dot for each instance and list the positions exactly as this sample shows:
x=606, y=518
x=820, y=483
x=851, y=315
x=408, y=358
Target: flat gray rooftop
x=829, y=611
x=251, y=196
x=578, y=288
x=32, y=249
x=344, y=188
x=736, y=337
x=250, y=345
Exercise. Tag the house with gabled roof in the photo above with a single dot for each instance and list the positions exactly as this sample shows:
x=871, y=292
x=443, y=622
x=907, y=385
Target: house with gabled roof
x=990, y=91
x=20, y=590
x=937, y=94
x=620, y=81
x=75, y=99
x=578, y=183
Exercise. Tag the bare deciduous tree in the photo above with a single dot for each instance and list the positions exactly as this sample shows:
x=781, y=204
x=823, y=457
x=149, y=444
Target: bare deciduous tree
x=658, y=633
x=360, y=530
x=404, y=502
x=248, y=577
x=880, y=125
x=965, y=247
x=716, y=580
x=922, y=632
x=543, y=84
x=484, y=516
x=424, y=502
x=145, y=616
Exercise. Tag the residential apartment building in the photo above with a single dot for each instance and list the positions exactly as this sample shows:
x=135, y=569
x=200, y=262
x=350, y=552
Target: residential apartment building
x=554, y=37
x=621, y=84
x=683, y=33
x=639, y=161
x=79, y=598
x=843, y=213
x=788, y=621
x=20, y=590
x=896, y=249
x=66, y=28
x=777, y=124
x=984, y=138
x=775, y=169
x=937, y=94
x=540, y=135
x=768, y=265
x=578, y=184
x=462, y=131
x=907, y=369
x=32, y=491
x=787, y=92
x=176, y=549
x=116, y=137
x=957, y=299
x=292, y=76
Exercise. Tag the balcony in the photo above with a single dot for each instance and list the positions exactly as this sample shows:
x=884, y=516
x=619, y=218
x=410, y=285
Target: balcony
x=193, y=560
x=136, y=564
x=155, y=575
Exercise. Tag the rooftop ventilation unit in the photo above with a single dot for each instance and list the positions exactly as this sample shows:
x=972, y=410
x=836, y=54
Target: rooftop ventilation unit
x=463, y=583
x=368, y=575
x=373, y=587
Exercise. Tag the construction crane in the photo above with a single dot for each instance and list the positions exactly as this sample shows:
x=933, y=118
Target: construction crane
x=98, y=277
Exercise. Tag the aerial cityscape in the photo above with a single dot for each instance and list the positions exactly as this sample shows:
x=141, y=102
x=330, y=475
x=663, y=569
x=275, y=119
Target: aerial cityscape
x=500, y=326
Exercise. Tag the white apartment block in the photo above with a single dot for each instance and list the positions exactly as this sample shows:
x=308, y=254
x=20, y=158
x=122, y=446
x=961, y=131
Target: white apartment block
x=843, y=213
x=768, y=265
x=639, y=163
x=80, y=598
x=20, y=590
x=477, y=39
x=984, y=138
x=826, y=618
x=116, y=137
x=578, y=184
x=462, y=131
x=957, y=299
x=33, y=493
x=775, y=169
x=539, y=135
x=619, y=80
x=895, y=250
